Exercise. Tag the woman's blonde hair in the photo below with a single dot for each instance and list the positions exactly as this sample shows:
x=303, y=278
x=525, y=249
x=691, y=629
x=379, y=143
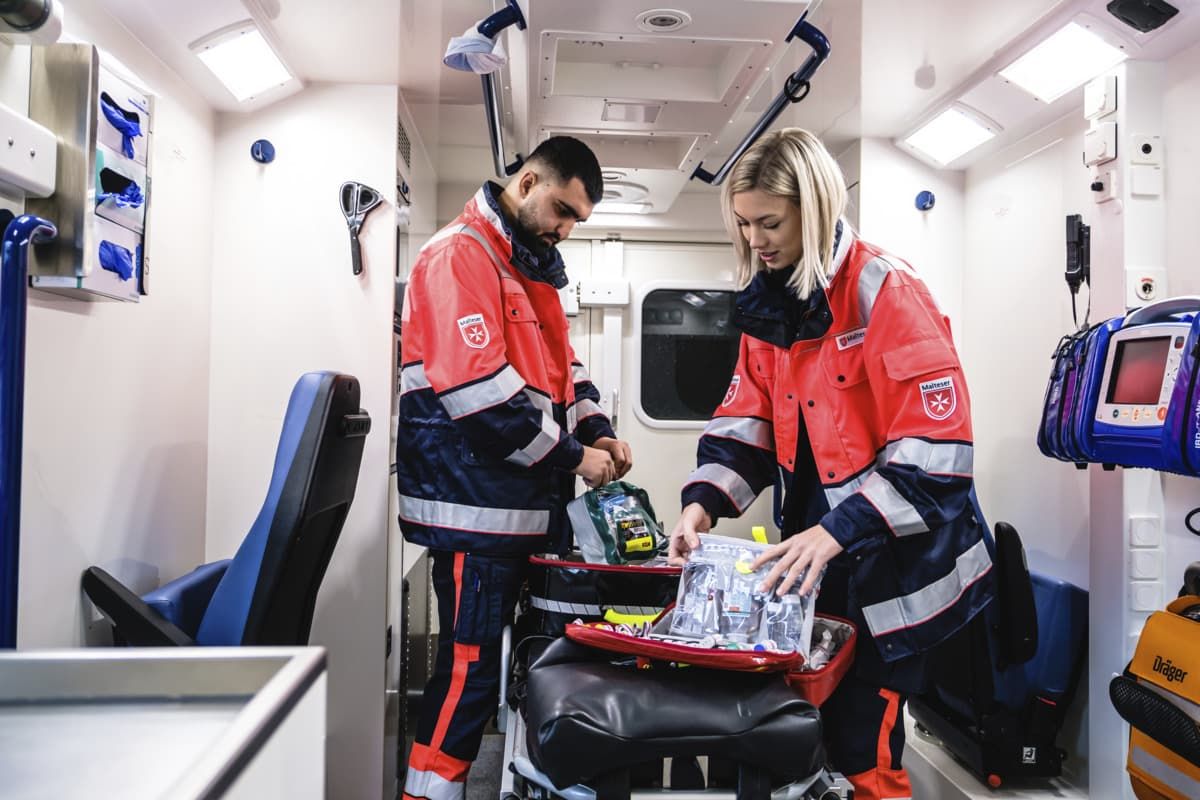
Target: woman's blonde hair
x=790, y=163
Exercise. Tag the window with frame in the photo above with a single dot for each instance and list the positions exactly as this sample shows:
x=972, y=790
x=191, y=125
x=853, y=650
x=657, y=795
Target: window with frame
x=689, y=348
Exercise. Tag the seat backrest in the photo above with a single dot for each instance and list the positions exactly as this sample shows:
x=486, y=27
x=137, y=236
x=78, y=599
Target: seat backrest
x=1027, y=644
x=970, y=665
x=268, y=593
x=1015, y=614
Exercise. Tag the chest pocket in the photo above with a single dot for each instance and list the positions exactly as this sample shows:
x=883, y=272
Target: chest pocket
x=517, y=307
x=523, y=337
x=761, y=363
x=844, y=368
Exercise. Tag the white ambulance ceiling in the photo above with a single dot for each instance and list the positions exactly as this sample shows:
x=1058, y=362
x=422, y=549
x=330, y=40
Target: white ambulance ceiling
x=891, y=63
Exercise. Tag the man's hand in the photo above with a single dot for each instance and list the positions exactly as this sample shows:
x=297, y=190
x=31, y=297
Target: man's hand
x=622, y=456
x=811, y=549
x=596, y=468
x=686, y=537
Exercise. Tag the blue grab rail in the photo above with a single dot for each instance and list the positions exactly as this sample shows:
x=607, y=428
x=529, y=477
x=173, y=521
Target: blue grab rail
x=491, y=27
x=14, y=270
x=795, y=89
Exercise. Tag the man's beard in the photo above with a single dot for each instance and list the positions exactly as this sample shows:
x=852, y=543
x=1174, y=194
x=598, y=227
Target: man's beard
x=525, y=232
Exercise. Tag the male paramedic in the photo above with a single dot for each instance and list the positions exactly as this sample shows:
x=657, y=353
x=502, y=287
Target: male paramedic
x=497, y=416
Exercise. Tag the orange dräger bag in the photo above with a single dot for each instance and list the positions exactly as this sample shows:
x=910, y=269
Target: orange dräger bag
x=1159, y=696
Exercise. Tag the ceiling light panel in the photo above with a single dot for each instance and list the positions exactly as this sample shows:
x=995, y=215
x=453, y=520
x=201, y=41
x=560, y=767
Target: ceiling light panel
x=1068, y=58
x=950, y=134
x=618, y=207
x=242, y=60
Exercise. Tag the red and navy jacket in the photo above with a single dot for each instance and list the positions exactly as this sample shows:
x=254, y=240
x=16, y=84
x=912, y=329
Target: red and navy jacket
x=866, y=376
x=494, y=406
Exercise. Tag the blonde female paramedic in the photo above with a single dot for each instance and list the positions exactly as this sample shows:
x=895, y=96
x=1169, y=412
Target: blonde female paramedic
x=848, y=380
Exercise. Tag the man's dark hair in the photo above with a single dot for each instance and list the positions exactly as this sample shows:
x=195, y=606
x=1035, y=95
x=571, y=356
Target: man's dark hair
x=569, y=158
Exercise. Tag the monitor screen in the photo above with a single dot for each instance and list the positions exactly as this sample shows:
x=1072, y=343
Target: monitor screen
x=1137, y=372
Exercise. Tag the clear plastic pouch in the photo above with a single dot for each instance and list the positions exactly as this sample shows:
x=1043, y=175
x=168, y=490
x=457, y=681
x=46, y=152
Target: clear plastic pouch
x=719, y=599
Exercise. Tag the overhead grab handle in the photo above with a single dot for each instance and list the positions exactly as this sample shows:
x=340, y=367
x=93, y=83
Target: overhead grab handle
x=491, y=27
x=478, y=50
x=509, y=15
x=491, y=107
x=795, y=89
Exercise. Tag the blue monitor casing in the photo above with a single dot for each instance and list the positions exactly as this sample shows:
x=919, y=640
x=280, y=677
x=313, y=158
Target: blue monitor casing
x=1129, y=385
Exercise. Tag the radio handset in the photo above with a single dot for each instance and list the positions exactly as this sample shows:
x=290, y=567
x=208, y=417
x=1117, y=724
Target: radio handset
x=1079, y=262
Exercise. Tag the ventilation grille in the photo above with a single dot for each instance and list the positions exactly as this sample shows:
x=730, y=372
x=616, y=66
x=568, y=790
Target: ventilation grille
x=403, y=145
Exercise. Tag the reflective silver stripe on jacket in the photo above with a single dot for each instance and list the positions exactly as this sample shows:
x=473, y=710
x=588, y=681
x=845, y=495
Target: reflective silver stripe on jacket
x=581, y=410
x=444, y=233
x=728, y=481
x=487, y=212
x=924, y=604
x=427, y=783
x=487, y=246
x=579, y=373
x=836, y=495
x=546, y=438
x=897, y=512
x=478, y=519
x=936, y=458
x=543, y=442
x=412, y=378
x=475, y=397
x=748, y=430
x=870, y=282
x=1160, y=770
x=462, y=227
x=540, y=401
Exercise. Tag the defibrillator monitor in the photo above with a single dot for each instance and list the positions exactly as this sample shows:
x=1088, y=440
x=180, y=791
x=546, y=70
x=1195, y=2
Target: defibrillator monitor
x=1126, y=392
x=1139, y=374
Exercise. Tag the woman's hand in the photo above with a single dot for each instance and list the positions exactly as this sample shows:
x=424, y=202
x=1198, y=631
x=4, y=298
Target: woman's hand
x=693, y=521
x=811, y=549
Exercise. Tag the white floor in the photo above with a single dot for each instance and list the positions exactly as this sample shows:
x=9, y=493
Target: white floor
x=935, y=775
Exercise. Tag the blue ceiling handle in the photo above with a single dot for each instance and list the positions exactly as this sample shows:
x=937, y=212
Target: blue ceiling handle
x=509, y=15
x=794, y=90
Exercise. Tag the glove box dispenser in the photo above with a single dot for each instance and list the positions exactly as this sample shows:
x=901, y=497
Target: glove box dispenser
x=102, y=190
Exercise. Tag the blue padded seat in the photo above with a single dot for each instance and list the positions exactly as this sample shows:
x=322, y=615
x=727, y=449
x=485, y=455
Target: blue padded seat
x=1062, y=635
x=265, y=594
x=183, y=601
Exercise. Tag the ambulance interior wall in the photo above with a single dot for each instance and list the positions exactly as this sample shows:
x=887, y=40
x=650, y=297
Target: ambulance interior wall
x=1017, y=305
x=286, y=302
x=116, y=404
x=931, y=241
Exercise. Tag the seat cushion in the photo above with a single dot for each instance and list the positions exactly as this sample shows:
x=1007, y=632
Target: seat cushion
x=586, y=716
